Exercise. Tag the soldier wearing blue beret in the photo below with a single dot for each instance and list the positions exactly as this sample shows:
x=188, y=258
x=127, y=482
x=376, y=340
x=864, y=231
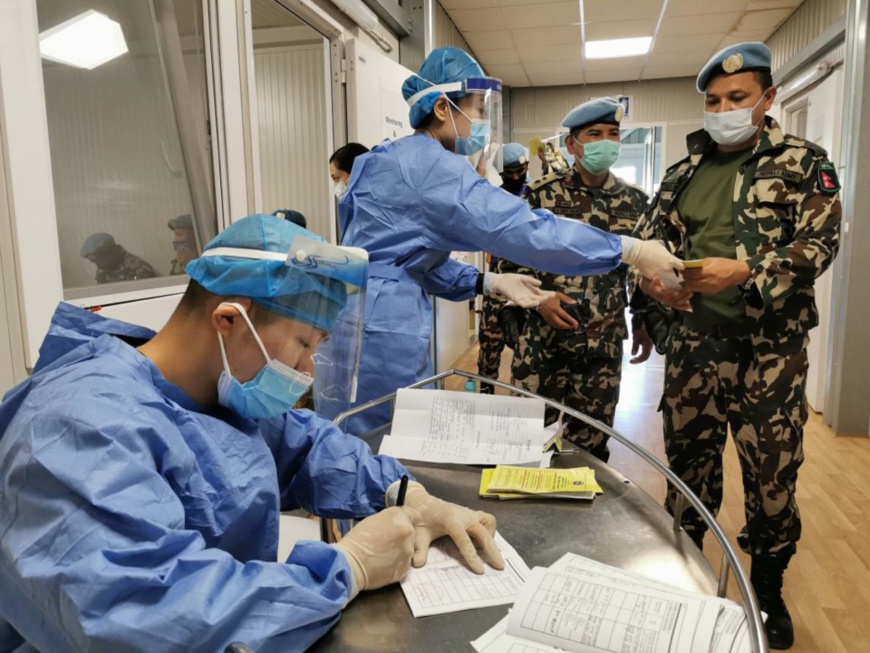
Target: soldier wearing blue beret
x=515, y=163
x=570, y=349
x=757, y=211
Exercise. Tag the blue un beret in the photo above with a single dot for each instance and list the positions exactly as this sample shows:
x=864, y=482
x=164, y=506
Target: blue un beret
x=513, y=155
x=604, y=109
x=739, y=58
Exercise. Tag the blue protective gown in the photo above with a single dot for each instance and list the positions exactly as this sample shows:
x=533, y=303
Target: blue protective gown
x=133, y=519
x=409, y=203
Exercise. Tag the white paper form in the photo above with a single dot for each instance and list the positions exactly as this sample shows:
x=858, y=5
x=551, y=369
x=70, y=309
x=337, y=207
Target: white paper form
x=603, y=615
x=445, y=584
x=496, y=640
x=440, y=426
x=731, y=631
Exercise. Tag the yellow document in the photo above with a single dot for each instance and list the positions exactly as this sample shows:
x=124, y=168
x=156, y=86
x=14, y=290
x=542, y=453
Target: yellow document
x=507, y=482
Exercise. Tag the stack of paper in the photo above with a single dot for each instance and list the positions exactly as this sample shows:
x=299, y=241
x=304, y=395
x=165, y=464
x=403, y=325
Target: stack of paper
x=439, y=426
x=584, y=606
x=507, y=482
x=446, y=584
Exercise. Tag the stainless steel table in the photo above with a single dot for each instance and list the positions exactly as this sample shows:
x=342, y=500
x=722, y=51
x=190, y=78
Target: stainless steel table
x=623, y=527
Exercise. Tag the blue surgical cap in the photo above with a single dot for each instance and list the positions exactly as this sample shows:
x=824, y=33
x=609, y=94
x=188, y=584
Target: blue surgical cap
x=442, y=66
x=96, y=243
x=287, y=290
x=514, y=155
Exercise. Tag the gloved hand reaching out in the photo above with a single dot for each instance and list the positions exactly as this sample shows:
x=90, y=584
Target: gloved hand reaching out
x=470, y=530
x=521, y=289
x=379, y=548
x=650, y=257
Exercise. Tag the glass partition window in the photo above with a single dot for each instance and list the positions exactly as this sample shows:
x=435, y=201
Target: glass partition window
x=126, y=100
x=640, y=156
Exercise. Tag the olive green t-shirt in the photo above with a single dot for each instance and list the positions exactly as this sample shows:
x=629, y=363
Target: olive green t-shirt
x=706, y=207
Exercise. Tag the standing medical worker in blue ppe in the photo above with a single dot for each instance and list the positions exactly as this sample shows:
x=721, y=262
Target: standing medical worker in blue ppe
x=142, y=474
x=412, y=201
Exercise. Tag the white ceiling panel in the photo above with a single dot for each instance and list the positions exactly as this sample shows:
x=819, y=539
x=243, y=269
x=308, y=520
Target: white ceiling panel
x=603, y=11
x=544, y=15
x=533, y=69
x=689, y=57
x=508, y=72
x=498, y=57
x=756, y=5
x=480, y=41
x=709, y=42
x=758, y=20
x=704, y=7
x=551, y=53
x=558, y=35
x=478, y=20
x=740, y=37
x=709, y=24
x=539, y=42
x=623, y=29
x=618, y=63
x=467, y=4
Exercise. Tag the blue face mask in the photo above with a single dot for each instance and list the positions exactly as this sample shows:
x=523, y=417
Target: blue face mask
x=473, y=144
x=480, y=131
x=272, y=392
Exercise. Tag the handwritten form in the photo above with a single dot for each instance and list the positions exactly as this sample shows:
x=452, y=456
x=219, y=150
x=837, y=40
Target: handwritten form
x=440, y=426
x=583, y=605
x=445, y=584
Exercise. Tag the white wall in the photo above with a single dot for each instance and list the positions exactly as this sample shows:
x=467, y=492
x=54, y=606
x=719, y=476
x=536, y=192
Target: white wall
x=294, y=150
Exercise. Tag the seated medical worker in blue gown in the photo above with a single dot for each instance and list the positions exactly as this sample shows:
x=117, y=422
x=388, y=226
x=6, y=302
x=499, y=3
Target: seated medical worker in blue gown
x=413, y=201
x=142, y=474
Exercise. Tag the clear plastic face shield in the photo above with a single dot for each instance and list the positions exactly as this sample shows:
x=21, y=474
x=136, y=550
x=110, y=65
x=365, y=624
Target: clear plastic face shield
x=477, y=120
x=336, y=361
x=325, y=289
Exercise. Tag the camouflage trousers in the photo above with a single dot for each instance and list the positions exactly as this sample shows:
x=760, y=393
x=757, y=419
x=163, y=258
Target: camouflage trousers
x=759, y=391
x=581, y=379
x=490, y=338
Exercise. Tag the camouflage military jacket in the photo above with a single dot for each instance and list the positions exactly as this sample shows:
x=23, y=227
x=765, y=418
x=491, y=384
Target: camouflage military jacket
x=131, y=269
x=786, y=225
x=616, y=206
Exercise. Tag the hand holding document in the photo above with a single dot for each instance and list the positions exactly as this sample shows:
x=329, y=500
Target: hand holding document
x=439, y=426
x=445, y=584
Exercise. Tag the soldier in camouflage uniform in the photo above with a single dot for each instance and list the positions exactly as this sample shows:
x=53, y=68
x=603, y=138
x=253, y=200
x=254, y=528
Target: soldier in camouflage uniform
x=184, y=243
x=760, y=209
x=114, y=263
x=571, y=348
x=515, y=163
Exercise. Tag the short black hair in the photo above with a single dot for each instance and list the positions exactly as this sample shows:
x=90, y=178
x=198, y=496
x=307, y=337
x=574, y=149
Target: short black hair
x=765, y=78
x=344, y=156
x=196, y=298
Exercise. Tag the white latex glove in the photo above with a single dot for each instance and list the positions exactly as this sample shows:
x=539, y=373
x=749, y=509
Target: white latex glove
x=469, y=529
x=521, y=289
x=650, y=257
x=379, y=548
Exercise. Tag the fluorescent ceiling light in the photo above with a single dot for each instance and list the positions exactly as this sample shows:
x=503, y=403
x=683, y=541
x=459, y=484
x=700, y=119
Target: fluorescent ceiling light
x=618, y=48
x=85, y=41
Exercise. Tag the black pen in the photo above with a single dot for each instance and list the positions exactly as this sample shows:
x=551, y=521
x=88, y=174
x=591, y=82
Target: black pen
x=403, y=489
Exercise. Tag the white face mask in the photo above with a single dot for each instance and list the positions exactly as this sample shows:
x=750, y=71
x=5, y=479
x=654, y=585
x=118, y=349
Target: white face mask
x=339, y=189
x=731, y=127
